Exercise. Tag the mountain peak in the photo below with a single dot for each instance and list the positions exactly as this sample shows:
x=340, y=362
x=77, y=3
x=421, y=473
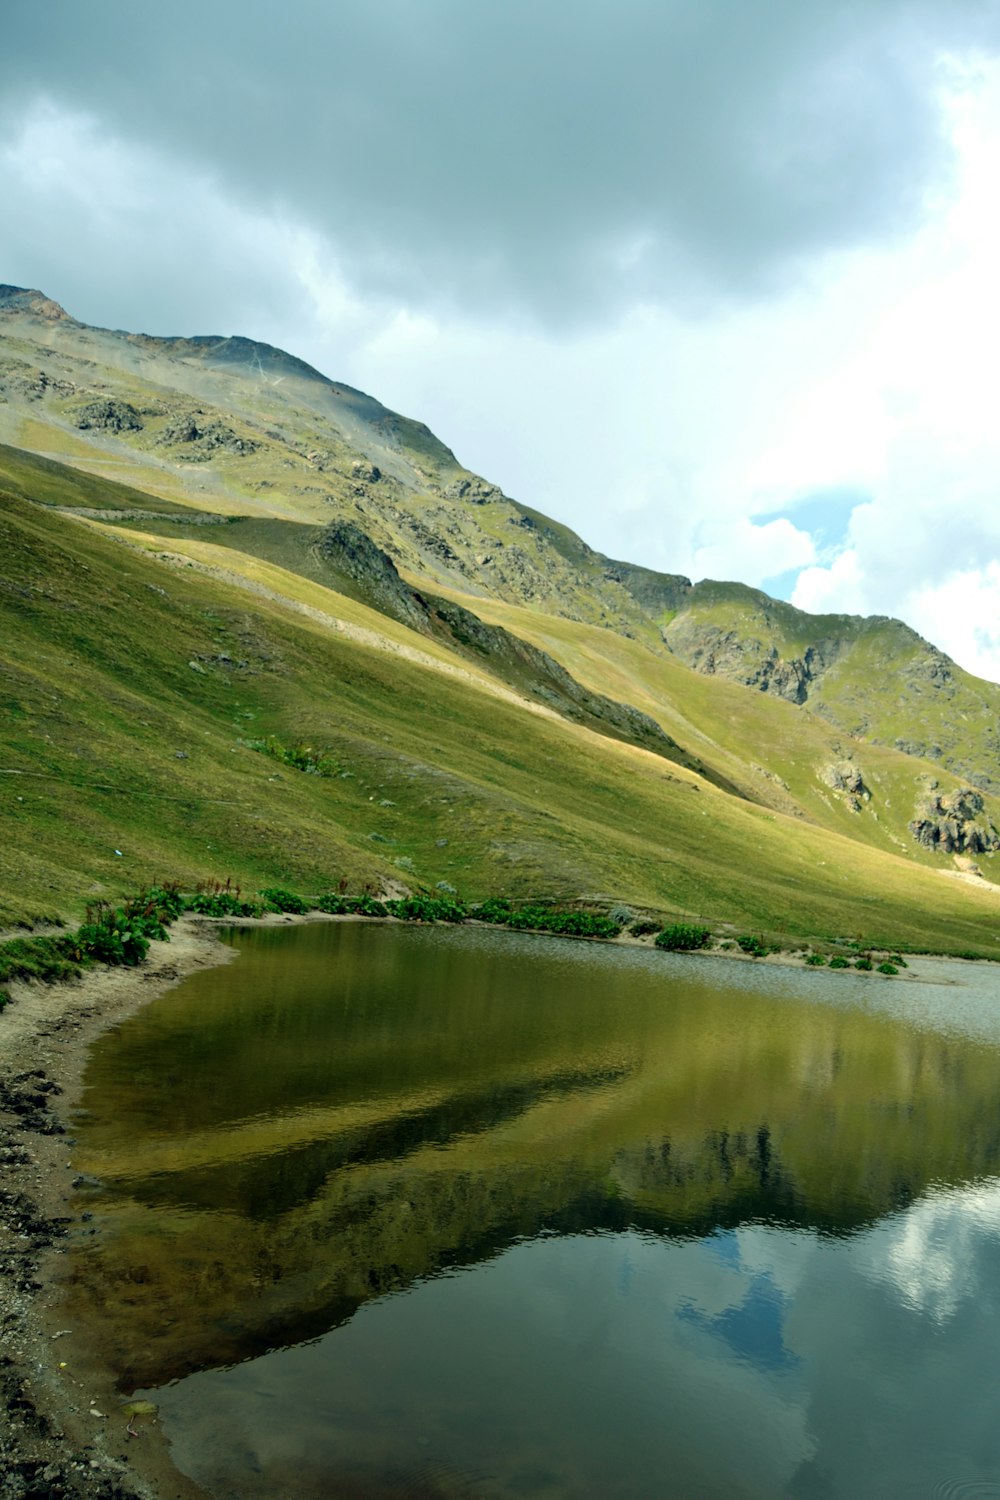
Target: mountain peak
x=22, y=299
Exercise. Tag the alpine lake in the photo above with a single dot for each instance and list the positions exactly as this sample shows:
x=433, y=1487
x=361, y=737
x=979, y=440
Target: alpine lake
x=385, y=1210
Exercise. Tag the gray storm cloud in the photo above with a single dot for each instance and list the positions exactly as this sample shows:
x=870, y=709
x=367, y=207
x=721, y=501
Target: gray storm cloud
x=554, y=160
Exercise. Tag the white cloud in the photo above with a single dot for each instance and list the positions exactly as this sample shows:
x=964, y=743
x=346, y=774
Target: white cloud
x=933, y=1256
x=662, y=436
x=964, y=611
x=122, y=233
x=835, y=589
x=739, y=548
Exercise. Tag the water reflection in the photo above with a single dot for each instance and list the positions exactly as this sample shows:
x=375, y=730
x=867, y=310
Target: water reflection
x=517, y=1217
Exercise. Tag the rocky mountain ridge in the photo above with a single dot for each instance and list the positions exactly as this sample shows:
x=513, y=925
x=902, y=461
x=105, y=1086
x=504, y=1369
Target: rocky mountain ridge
x=229, y=426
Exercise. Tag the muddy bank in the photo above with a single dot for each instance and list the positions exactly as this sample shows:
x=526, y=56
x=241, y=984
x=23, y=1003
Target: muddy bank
x=62, y=1433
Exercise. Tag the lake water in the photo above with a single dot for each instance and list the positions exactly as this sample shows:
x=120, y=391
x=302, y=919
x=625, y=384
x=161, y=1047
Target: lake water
x=424, y=1212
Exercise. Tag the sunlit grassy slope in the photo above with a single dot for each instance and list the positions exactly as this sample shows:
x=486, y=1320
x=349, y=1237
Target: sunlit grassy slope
x=870, y=676
x=132, y=682
x=774, y=749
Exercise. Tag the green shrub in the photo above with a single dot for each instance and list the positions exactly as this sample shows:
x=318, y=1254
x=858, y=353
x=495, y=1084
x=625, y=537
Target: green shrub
x=428, y=909
x=898, y=960
x=146, y=917
x=887, y=968
x=300, y=757
x=644, y=927
x=496, y=910
x=277, y=899
x=815, y=959
x=166, y=899
x=333, y=903
x=569, y=923
x=223, y=904
x=863, y=963
x=369, y=906
x=839, y=962
x=683, y=937
x=111, y=935
x=4, y=998
x=752, y=944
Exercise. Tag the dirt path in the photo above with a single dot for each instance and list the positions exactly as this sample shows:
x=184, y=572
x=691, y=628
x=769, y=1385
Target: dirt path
x=52, y=1445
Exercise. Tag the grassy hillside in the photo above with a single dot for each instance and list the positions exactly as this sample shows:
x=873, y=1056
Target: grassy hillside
x=135, y=681
x=871, y=677
x=230, y=427
x=773, y=751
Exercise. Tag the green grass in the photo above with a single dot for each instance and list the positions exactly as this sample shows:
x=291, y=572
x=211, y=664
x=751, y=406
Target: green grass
x=774, y=750
x=887, y=684
x=118, y=743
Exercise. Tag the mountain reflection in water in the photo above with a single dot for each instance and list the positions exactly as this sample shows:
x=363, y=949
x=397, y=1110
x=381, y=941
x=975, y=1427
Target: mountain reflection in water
x=664, y=1226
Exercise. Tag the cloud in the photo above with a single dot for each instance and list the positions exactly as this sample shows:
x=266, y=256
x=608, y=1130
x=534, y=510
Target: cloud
x=837, y=588
x=752, y=552
x=527, y=159
x=106, y=226
x=963, y=611
x=713, y=284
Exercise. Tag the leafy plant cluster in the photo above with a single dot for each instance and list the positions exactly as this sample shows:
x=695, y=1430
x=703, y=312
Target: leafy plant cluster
x=278, y=899
x=213, y=899
x=300, y=757
x=115, y=935
x=537, y=918
x=683, y=937
x=753, y=945
x=862, y=961
x=428, y=909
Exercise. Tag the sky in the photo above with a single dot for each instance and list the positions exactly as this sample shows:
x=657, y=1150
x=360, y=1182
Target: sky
x=712, y=281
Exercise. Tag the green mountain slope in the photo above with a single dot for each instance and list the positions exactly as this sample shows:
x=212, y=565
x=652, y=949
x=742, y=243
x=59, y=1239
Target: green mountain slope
x=315, y=568
x=875, y=678
x=135, y=686
x=234, y=427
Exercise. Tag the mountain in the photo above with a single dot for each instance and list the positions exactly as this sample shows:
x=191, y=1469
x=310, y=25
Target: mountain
x=214, y=554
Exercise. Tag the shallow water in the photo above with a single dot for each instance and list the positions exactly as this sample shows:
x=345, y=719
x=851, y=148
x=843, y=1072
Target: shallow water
x=432, y=1212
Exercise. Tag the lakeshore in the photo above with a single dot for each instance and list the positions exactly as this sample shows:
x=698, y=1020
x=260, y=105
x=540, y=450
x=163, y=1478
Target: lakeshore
x=50, y=1383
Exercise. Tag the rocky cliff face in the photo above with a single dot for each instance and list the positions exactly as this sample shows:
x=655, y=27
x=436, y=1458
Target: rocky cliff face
x=954, y=823
x=749, y=659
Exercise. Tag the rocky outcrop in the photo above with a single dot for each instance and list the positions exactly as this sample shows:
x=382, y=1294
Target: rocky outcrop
x=205, y=439
x=21, y=299
x=365, y=473
x=473, y=490
x=751, y=661
x=109, y=416
x=844, y=776
x=543, y=678
x=371, y=573
x=954, y=823
x=30, y=383
x=656, y=593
